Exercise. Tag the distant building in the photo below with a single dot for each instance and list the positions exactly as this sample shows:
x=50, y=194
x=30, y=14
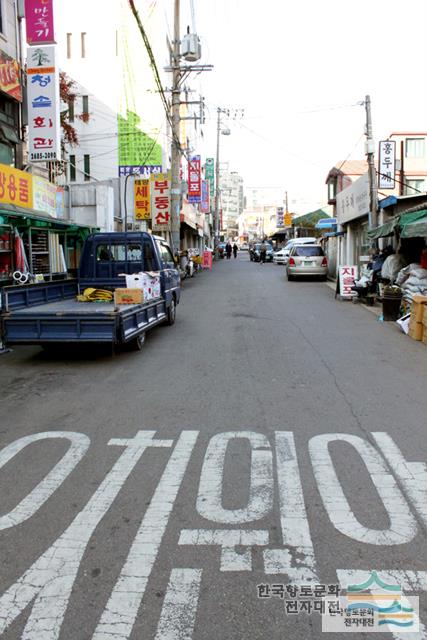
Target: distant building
x=231, y=202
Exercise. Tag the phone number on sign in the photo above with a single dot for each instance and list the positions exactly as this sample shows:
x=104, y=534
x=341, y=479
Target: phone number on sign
x=48, y=155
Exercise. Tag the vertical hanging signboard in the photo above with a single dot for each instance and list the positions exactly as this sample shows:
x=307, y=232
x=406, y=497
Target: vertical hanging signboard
x=39, y=22
x=194, y=180
x=142, y=199
x=43, y=104
x=386, y=164
x=160, y=201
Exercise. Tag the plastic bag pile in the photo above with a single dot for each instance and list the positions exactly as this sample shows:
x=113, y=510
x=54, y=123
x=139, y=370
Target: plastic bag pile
x=413, y=281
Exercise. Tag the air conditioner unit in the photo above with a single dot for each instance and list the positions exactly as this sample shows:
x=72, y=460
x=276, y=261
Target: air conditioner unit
x=191, y=49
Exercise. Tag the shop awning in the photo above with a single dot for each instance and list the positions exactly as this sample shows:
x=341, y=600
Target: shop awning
x=414, y=225
x=410, y=225
x=9, y=133
x=384, y=230
x=25, y=218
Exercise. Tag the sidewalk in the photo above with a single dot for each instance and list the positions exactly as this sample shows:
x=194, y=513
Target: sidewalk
x=376, y=309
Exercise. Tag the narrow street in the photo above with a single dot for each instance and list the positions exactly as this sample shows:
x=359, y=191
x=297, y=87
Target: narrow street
x=200, y=468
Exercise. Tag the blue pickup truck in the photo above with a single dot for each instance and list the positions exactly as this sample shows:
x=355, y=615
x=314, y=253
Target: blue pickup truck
x=49, y=313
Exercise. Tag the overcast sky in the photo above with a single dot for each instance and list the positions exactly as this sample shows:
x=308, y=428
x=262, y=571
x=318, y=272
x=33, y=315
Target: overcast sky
x=299, y=69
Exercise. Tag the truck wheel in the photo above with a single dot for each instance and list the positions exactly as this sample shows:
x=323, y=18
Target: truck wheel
x=137, y=343
x=171, y=312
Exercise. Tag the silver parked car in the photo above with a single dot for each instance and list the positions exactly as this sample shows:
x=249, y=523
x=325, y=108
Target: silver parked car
x=307, y=260
x=284, y=253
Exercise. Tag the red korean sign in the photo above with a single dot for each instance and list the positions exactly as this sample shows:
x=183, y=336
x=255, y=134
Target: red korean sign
x=194, y=180
x=160, y=201
x=207, y=260
x=39, y=21
x=347, y=276
x=10, y=82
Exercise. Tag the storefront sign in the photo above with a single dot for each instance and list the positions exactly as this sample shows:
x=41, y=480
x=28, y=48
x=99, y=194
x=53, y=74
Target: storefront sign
x=287, y=219
x=210, y=176
x=207, y=260
x=353, y=202
x=142, y=171
x=43, y=105
x=142, y=199
x=16, y=187
x=347, y=276
x=386, y=164
x=279, y=217
x=44, y=196
x=205, y=203
x=194, y=180
x=39, y=21
x=60, y=203
x=160, y=202
x=10, y=82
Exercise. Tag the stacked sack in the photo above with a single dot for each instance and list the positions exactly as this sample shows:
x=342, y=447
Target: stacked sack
x=413, y=281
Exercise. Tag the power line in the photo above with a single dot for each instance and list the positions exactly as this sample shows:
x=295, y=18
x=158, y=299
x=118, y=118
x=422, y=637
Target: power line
x=155, y=72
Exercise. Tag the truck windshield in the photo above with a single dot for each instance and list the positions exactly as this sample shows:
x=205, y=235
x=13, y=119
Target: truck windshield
x=117, y=252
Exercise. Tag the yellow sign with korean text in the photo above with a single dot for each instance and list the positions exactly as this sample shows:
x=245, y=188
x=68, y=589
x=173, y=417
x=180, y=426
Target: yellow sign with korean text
x=288, y=219
x=16, y=187
x=142, y=199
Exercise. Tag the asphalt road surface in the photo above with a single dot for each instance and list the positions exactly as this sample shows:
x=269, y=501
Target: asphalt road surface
x=272, y=436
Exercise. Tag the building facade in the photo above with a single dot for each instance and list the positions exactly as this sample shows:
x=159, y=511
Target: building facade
x=232, y=202
x=11, y=93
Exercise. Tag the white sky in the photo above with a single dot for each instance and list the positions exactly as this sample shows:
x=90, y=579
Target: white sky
x=287, y=63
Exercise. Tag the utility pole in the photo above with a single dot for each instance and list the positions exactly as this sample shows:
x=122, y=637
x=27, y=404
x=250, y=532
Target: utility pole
x=216, y=220
x=373, y=192
x=175, y=149
x=286, y=202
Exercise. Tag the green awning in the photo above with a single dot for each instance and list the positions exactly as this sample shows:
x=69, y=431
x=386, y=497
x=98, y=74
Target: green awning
x=411, y=225
x=9, y=133
x=412, y=216
x=384, y=230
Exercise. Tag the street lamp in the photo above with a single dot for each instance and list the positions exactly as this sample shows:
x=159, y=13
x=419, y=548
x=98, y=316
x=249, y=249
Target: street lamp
x=224, y=132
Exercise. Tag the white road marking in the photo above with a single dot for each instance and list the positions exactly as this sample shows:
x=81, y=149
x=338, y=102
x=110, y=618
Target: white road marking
x=50, y=483
x=409, y=581
x=119, y=616
x=297, y=559
x=51, y=578
x=403, y=526
x=260, y=502
x=228, y=539
x=412, y=475
x=180, y=605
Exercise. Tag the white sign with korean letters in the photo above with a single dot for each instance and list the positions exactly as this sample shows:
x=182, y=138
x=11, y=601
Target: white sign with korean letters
x=43, y=104
x=160, y=202
x=386, y=164
x=347, y=277
x=353, y=202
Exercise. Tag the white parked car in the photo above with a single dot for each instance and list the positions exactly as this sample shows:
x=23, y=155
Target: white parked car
x=288, y=246
x=279, y=256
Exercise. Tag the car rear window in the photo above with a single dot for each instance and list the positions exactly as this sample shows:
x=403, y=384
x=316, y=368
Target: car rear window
x=308, y=251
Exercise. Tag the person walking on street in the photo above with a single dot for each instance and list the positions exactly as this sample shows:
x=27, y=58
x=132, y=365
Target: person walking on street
x=235, y=249
x=228, y=250
x=262, y=252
